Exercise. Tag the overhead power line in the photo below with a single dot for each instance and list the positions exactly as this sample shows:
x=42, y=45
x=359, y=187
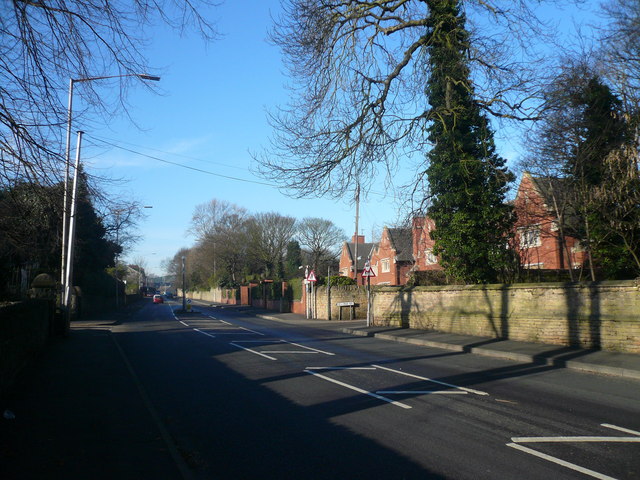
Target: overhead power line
x=200, y=170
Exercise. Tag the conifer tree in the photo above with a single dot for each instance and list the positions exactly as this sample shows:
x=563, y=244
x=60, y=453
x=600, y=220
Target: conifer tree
x=468, y=180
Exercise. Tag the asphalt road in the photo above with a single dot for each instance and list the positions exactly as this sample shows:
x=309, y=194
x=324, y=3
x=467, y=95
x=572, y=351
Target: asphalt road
x=236, y=396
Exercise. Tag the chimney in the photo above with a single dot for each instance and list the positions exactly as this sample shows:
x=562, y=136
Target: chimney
x=357, y=239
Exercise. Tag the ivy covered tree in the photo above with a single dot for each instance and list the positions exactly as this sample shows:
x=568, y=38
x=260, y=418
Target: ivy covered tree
x=468, y=180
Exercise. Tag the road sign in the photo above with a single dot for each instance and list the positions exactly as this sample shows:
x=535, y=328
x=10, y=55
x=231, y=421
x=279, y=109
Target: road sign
x=312, y=277
x=368, y=272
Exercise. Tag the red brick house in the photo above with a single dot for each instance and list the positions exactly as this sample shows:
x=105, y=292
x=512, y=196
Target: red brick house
x=392, y=259
x=543, y=217
x=423, y=244
x=348, y=254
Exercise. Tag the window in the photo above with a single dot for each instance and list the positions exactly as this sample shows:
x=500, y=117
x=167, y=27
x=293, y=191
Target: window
x=429, y=257
x=386, y=266
x=530, y=236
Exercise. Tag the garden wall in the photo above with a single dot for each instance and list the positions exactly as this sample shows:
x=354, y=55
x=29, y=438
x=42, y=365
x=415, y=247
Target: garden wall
x=603, y=315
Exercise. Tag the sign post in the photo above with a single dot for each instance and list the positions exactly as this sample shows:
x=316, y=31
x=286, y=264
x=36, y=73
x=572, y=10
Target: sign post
x=368, y=273
x=311, y=278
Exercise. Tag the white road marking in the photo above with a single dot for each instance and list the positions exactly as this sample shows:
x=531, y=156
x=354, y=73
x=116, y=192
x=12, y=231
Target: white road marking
x=204, y=333
x=308, y=348
x=185, y=324
x=359, y=390
x=621, y=429
x=583, y=439
x=421, y=392
x=340, y=368
x=400, y=372
x=297, y=352
x=234, y=333
x=252, y=351
x=252, y=331
x=266, y=343
x=575, y=439
x=558, y=461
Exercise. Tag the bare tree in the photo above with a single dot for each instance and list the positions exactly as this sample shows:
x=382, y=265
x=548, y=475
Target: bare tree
x=359, y=72
x=322, y=239
x=212, y=224
x=207, y=217
x=45, y=44
x=620, y=49
x=270, y=234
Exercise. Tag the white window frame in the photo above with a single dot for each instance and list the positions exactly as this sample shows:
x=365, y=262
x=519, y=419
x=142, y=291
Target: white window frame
x=530, y=236
x=385, y=265
x=429, y=257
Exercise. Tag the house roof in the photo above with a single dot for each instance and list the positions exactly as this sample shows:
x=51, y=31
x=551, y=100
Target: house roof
x=555, y=190
x=364, y=252
x=550, y=187
x=402, y=241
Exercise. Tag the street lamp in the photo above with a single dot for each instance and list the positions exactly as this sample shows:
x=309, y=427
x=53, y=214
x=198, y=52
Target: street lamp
x=65, y=220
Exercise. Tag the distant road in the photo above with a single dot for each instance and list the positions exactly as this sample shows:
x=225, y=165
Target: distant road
x=240, y=397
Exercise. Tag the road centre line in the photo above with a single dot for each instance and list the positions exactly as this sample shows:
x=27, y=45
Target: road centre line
x=561, y=462
x=400, y=372
x=359, y=390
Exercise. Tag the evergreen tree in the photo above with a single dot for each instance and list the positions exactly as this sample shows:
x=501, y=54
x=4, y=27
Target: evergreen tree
x=468, y=180
x=603, y=133
x=603, y=130
x=293, y=259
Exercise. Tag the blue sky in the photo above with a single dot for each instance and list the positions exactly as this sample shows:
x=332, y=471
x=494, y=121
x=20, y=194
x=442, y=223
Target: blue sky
x=210, y=114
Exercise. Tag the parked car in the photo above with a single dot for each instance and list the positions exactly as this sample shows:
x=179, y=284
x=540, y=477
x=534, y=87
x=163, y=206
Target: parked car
x=158, y=299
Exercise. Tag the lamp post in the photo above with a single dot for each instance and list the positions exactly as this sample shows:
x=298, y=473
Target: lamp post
x=184, y=292
x=65, y=202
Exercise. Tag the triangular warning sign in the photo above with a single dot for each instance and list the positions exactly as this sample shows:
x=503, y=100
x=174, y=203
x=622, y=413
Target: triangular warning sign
x=368, y=272
x=312, y=277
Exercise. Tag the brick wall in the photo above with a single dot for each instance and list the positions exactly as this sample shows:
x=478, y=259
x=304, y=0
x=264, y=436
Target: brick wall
x=218, y=295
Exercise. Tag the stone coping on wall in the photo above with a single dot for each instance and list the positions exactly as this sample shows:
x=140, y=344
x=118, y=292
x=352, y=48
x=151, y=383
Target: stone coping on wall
x=634, y=284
